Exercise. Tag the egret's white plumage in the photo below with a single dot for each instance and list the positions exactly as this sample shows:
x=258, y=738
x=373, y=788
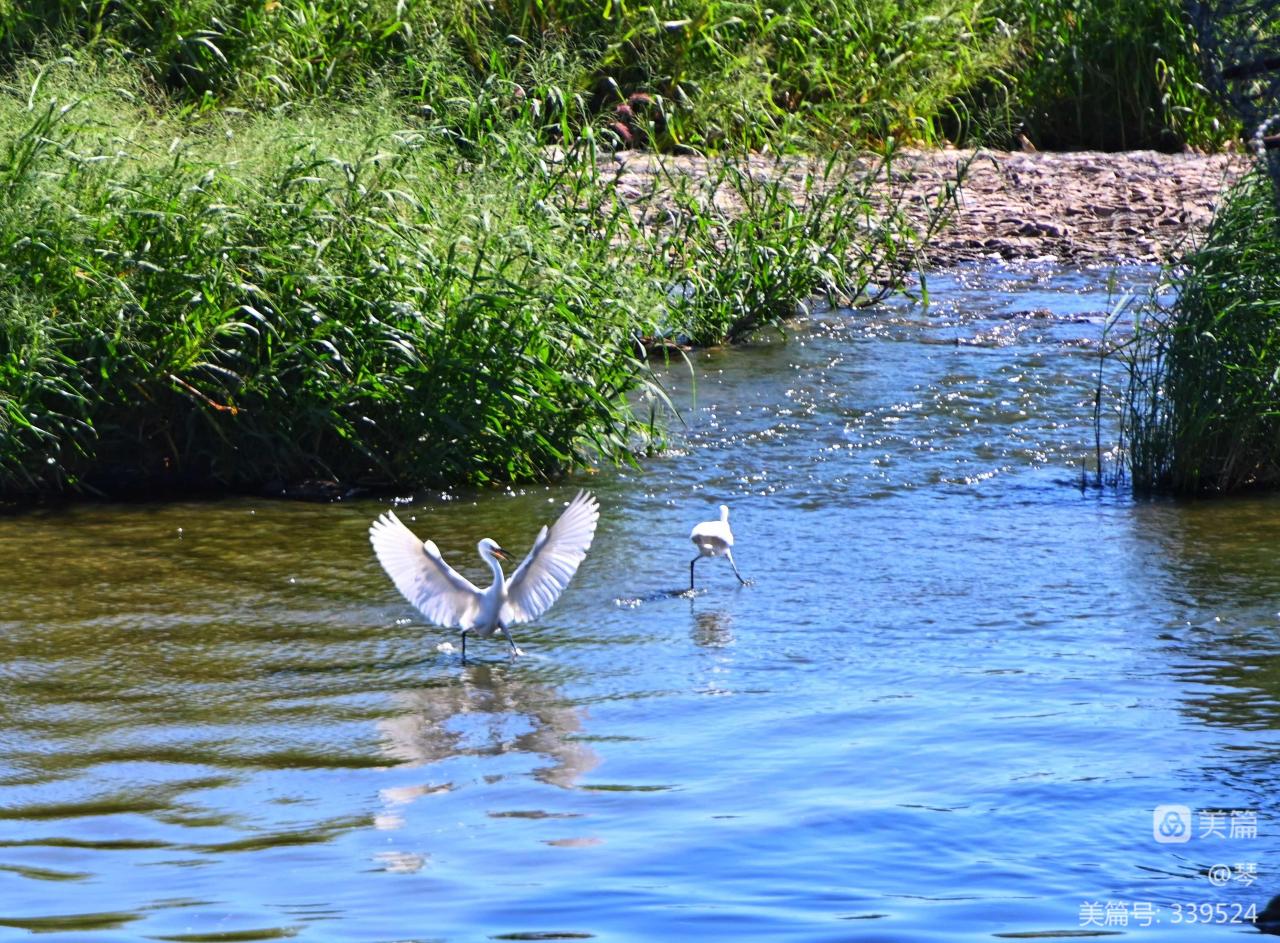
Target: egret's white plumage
x=448, y=598
x=714, y=539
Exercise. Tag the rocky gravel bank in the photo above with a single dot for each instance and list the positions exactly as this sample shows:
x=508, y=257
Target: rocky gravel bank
x=1084, y=207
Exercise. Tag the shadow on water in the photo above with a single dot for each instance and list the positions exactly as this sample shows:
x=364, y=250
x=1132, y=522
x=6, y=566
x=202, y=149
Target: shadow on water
x=1221, y=627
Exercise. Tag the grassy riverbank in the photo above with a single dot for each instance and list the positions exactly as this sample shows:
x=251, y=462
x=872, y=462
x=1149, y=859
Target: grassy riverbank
x=1205, y=371
x=1068, y=73
x=245, y=244
x=339, y=291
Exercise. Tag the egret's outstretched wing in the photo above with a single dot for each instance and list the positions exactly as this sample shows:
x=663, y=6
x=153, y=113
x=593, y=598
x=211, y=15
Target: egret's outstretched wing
x=555, y=556
x=440, y=592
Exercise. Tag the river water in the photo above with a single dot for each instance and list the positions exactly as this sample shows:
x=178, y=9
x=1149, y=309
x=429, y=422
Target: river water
x=947, y=708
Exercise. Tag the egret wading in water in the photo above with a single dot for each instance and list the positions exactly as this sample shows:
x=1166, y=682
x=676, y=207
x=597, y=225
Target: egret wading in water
x=449, y=599
x=714, y=539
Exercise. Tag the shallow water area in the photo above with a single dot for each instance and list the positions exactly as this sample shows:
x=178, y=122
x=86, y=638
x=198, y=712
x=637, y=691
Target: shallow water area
x=949, y=707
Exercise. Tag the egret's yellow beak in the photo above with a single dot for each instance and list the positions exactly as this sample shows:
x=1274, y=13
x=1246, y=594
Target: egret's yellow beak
x=500, y=553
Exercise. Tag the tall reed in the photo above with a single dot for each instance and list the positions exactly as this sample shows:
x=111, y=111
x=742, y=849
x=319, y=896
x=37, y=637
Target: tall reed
x=352, y=292
x=1203, y=399
x=679, y=73
x=1105, y=74
x=740, y=247
x=298, y=298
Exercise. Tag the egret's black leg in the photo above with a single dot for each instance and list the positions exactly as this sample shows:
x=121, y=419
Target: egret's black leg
x=464, y=645
x=729, y=555
x=691, y=563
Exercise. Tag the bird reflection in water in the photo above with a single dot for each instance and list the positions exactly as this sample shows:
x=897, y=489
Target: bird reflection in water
x=489, y=711
x=712, y=630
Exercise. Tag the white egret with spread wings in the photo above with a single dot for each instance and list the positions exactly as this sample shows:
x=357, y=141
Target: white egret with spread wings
x=449, y=599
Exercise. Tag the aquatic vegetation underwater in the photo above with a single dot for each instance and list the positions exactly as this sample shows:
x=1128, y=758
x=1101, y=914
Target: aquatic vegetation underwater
x=1203, y=398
